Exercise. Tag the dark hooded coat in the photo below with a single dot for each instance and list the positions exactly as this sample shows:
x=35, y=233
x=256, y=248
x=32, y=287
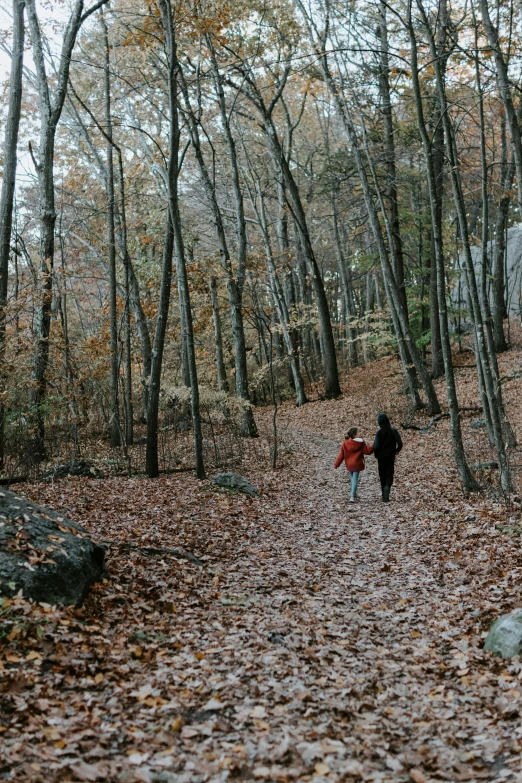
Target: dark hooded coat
x=387, y=441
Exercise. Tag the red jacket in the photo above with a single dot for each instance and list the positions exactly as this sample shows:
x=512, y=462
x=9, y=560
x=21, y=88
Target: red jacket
x=352, y=452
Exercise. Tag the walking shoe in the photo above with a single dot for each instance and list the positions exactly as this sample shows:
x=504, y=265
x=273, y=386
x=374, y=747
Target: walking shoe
x=352, y=499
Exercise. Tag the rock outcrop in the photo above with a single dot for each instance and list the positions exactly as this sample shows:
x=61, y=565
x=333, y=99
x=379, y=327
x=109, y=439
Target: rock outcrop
x=74, y=467
x=236, y=482
x=45, y=555
x=505, y=635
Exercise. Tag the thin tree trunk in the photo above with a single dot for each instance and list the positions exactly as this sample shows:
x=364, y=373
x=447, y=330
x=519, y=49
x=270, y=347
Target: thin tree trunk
x=368, y=350
x=222, y=380
x=499, y=248
x=483, y=355
x=121, y=216
x=331, y=372
x=129, y=402
x=430, y=154
x=134, y=296
x=8, y=189
x=188, y=332
x=437, y=156
x=506, y=95
x=50, y=108
x=114, y=417
x=389, y=144
x=280, y=303
x=69, y=372
x=158, y=345
x=405, y=338
x=346, y=288
x=249, y=425
x=175, y=229
x=184, y=352
x=234, y=286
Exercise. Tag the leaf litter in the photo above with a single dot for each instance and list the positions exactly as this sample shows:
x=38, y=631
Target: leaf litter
x=319, y=641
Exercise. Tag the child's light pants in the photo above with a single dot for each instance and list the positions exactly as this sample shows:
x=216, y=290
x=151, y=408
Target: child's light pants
x=355, y=480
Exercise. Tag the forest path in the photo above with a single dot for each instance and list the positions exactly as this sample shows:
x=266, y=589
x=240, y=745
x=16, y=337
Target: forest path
x=366, y=670
x=322, y=641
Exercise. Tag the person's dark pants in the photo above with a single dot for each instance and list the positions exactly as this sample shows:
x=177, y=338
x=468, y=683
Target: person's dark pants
x=386, y=471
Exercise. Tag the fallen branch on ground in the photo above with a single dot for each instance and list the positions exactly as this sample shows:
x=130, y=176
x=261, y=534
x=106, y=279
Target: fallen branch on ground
x=435, y=419
x=181, y=554
x=6, y=481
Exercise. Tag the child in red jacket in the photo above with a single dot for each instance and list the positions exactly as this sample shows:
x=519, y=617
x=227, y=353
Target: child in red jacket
x=352, y=454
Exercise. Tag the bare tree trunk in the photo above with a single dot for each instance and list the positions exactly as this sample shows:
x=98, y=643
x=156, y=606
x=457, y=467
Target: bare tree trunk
x=222, y=380
x=405, y=338
x=430, y=154
x=8, y=188
x=143, y=331
x=437, y=156
x=389, y=144
x=508, y=433
x=506, y=95
x=184, y=353
x=70, y=379
x=129, y=403
x=368, y=350
x=280, y=302
x=249, y=425
x=483, y=355
x=174, y=240
x=50, y=107
x=331, y=371
x=293, y=197
x=134, y=296
x=114, y=417
x=346, y=288
x=158, y=344
x=188, y=332
x=283, y=246
x=234, y=279
x=499, y=248
x=274, y=404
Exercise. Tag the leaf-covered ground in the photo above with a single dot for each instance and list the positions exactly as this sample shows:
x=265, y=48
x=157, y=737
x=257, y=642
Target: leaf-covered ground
x=321, y=641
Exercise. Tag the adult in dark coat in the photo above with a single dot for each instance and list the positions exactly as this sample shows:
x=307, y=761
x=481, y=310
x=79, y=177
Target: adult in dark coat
x=386, y=446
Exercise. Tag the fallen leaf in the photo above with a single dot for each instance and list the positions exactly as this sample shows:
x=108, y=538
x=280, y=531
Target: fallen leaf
x=321, y=768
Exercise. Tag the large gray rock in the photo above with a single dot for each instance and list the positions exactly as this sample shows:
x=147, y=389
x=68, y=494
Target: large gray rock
x=45, y=555
x=505, y=635
x=235, y=481
x=74, y=467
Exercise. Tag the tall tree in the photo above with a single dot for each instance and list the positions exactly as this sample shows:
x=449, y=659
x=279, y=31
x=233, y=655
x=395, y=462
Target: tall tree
x=405, y=338
x=431, y=160
x=390, y=192
x=235, y=277
x=485, y=359
x=294, y=200
x=114, y=420
x=50, y=103
x=8, y=189
x=173, y=241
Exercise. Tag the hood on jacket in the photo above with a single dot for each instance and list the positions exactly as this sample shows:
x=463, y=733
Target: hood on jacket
x=383, y=420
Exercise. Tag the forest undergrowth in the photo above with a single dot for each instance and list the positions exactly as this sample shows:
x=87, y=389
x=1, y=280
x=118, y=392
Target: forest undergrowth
x=319, y=641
